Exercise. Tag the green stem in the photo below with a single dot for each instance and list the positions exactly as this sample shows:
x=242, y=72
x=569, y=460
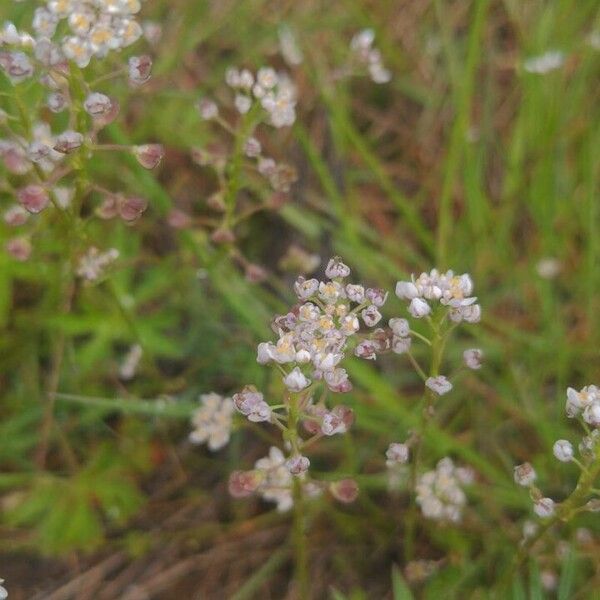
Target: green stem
x=299, y=519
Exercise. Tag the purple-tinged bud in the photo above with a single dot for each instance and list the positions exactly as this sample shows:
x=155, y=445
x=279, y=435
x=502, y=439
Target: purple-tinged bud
x=223, y=236
x=178, y=219
x=68, y=141
x=38, y=151
x=544, y=507
x=243, y=483
x=473, y=358
x=524, y=474
x=336, y=268
x=140, y=69
x=366, y=349
x=401, y=345
x=19, y=248
x=397, y=454
x=208, y=109
x=371, y=316
x=56, y=102
x=377, y=296
x=109, y=208
x=97, y=104
x=345, y=490
x=132, y=208
x=34, y=198
x=252, y=147
x=297, y=465
x=255, y=273
x=149, y=155
x=15, y=215
x=400, y=327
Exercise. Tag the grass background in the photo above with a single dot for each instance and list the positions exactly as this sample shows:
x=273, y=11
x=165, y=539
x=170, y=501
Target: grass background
x=463, y=161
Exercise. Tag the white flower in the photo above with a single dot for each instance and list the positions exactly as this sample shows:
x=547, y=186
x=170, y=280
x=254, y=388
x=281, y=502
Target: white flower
x=305, y=288
x=356, y=293
x=440, y=384
x=524, y=474
x=242, y=103
x=400, y=327
x=297, y=465
x=3, y=592
x=418, y=308
x=563, y=450
x=401, y=345
x=276, y=480
x=296, y=381
x=544, y=63
x=251, y=404
x=371, y=316
x=578, y=401
x=548, y=268
x=544, y=507
x=92, y=265
x=439, y=492
x=591, y=414
x=336, y=268
x=212, y=421
x=397, y=454
x=406, y=290
x=473, y=358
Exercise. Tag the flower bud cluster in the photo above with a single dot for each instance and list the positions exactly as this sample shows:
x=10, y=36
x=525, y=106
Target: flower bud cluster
x=313, y=340
x=273, y=91
x=213, y=421
x=433, y=289
x=45, y=163
x=440, y=492
x=584, y=405
x=369, y=57
x=315, y=335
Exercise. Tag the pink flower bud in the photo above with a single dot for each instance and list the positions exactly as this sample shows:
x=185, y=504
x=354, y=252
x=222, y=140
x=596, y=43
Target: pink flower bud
x=19, y=248
x=179, y=219
x=345, y=490
x=68, y=141
x=297, y=465
x=243, y=483
x=56, y=102
x=132, y=208
x=33, y=198
x=15, y=215
x=97, y=104
x=149, y=155
x=223, y=236
x=255, y=273
x=109, y=208
x=140, y=68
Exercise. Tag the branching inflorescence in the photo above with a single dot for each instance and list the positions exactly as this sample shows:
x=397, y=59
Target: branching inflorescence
x=46, y=167
x=583, y=405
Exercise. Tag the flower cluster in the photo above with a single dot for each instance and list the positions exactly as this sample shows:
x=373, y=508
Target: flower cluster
x=369, y=57
x=212, y=422
x=313, y=340
x=266, y=96
x=45, y=165
x=440, y=492
x=453, y=292
x=93, y=263
x=584, y=405
x=314, y=337
x=93, y=28
x=3, y=592
x=273, y=91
